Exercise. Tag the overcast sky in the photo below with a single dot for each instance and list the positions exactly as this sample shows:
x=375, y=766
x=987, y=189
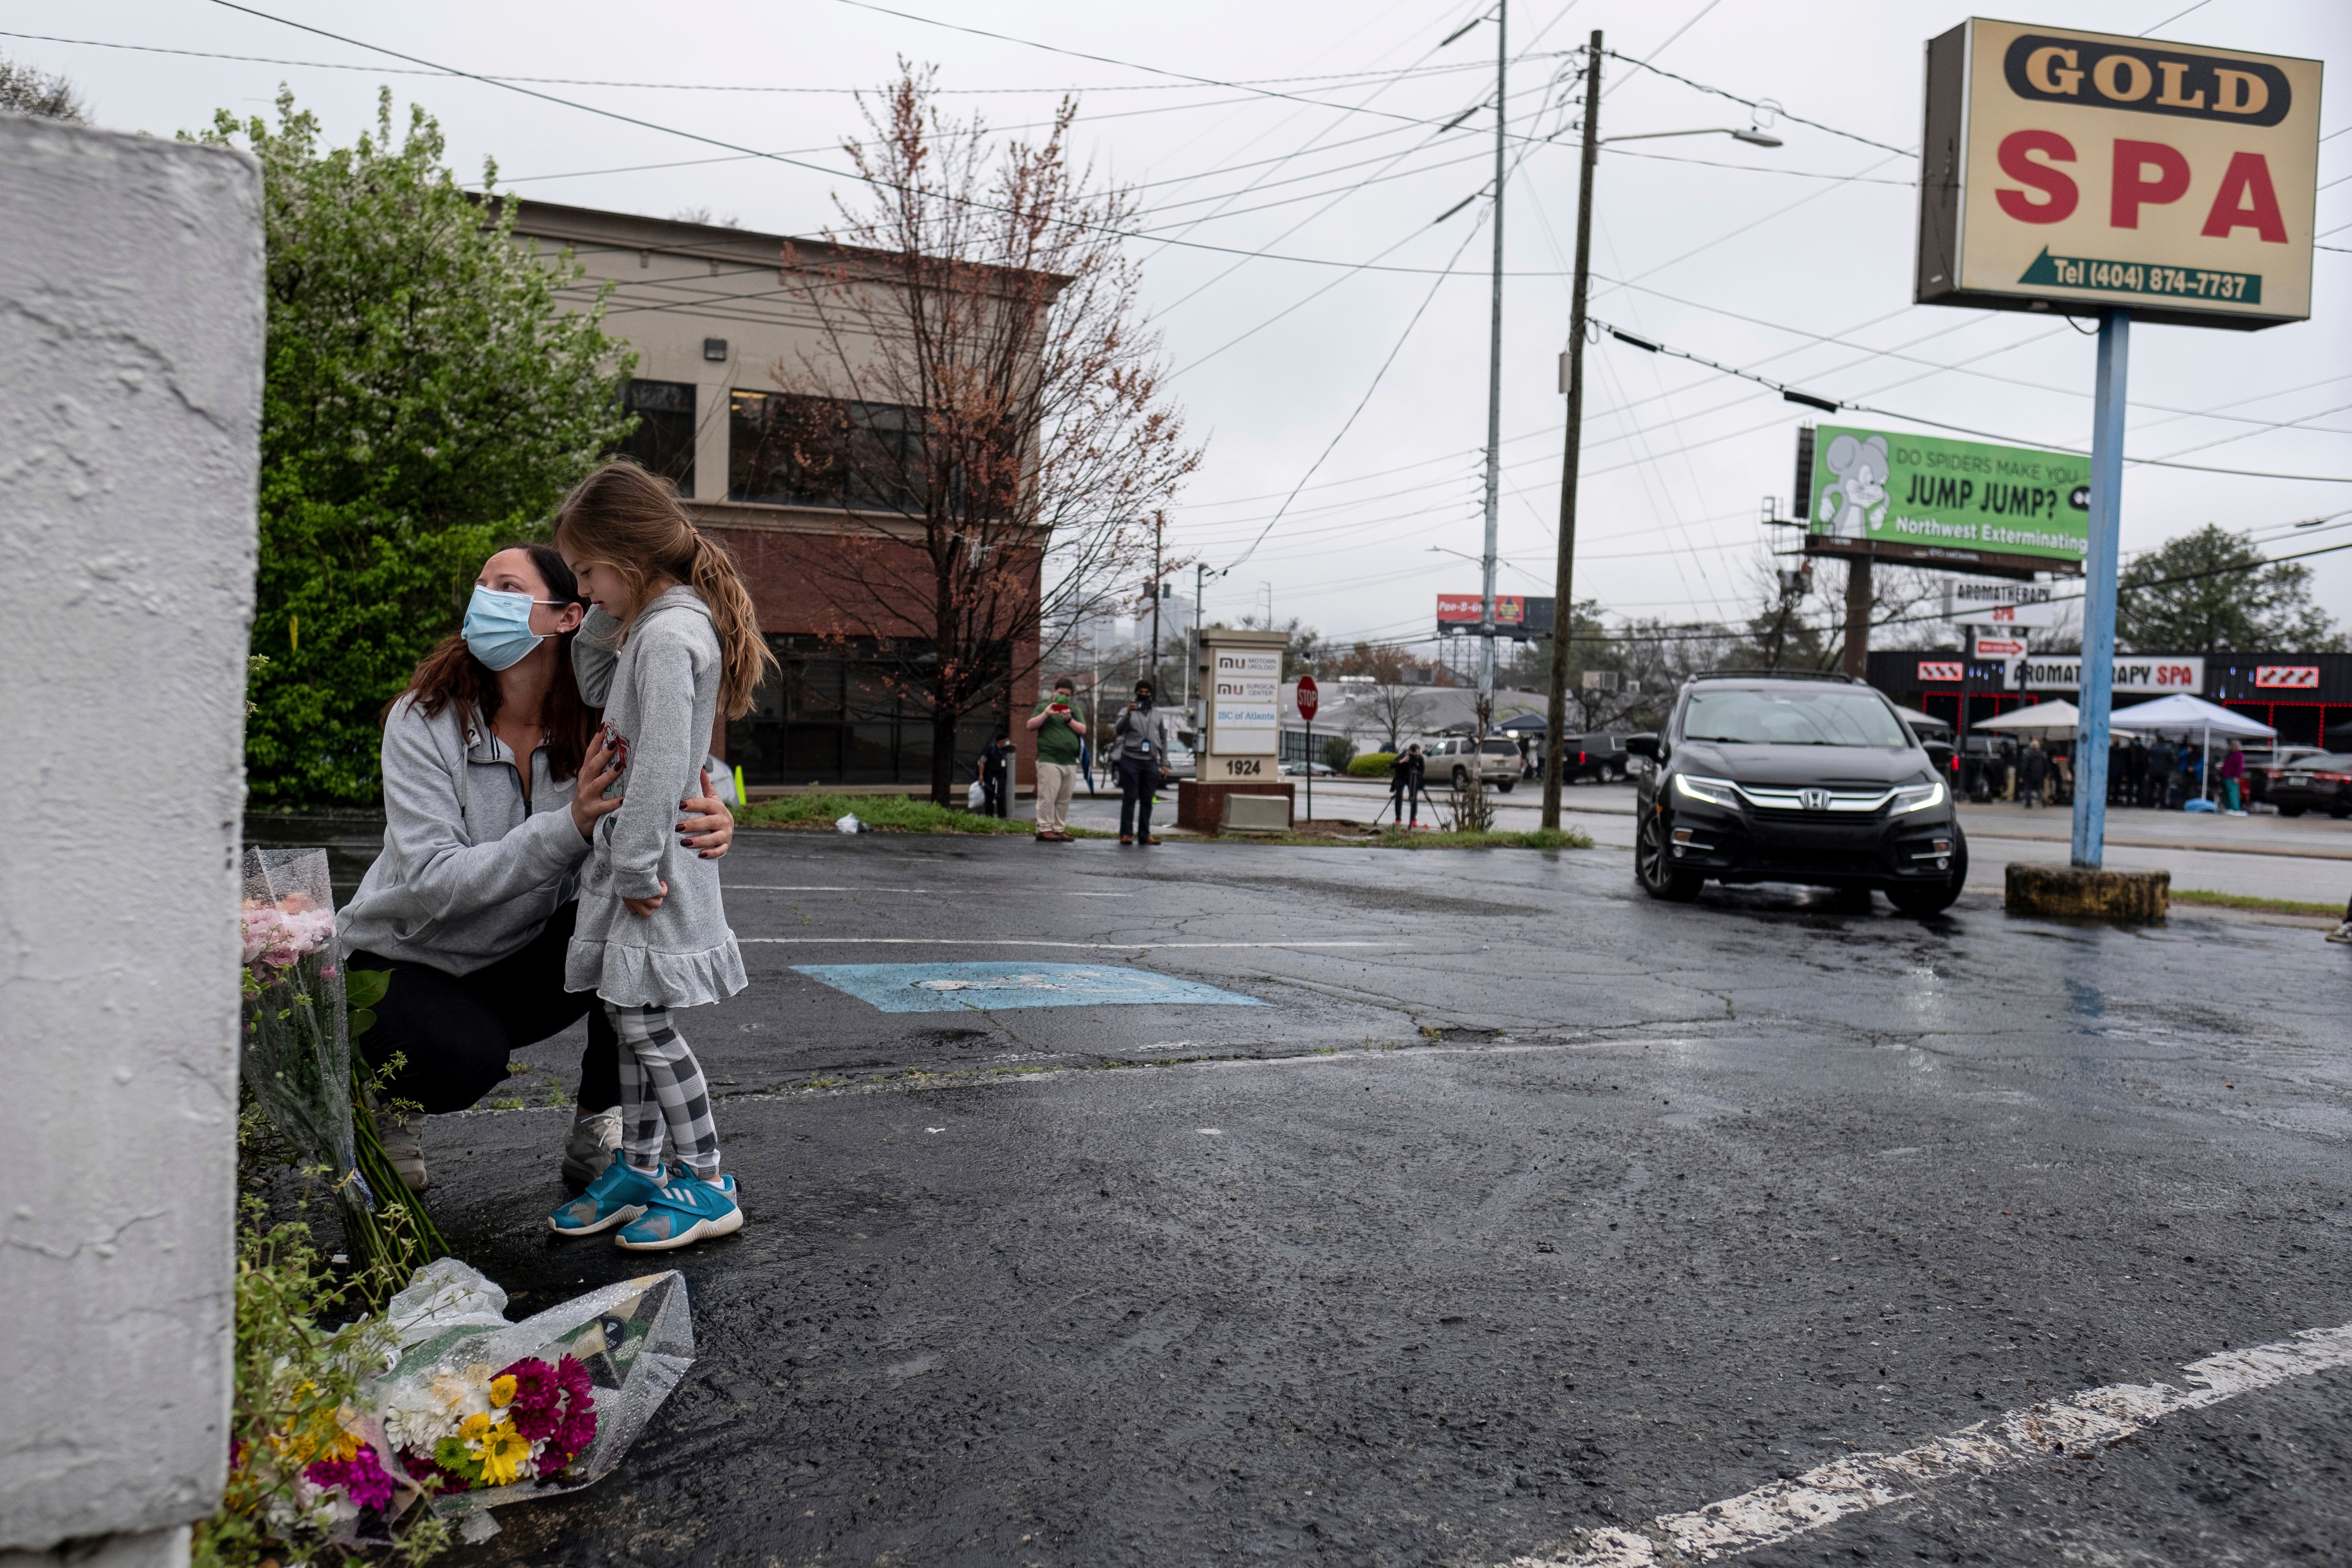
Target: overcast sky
x=1745, y=256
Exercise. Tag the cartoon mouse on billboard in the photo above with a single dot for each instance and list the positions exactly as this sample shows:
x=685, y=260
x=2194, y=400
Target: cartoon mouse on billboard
x=1855, y=501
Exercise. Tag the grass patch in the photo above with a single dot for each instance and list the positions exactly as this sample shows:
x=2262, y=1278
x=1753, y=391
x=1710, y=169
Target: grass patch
x=883, y=813
x=2265, y=906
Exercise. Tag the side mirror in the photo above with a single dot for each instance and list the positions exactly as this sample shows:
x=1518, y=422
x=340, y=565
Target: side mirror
x=1642, y=746
x=1940, y=757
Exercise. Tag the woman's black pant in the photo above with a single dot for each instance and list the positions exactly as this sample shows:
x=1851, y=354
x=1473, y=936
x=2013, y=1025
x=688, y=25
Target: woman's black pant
x=1139, y=777
x=457, y=1031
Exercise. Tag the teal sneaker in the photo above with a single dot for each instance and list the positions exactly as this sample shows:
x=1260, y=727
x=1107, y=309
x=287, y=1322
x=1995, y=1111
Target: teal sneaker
x=688, y=1210
x=616, y=1196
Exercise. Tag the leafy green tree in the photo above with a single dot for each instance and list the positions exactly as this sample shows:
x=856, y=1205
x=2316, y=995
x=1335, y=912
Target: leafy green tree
x=427, y=399
x=2214, y=592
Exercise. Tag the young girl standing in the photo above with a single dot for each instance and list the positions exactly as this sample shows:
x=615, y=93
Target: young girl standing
x=671, y=641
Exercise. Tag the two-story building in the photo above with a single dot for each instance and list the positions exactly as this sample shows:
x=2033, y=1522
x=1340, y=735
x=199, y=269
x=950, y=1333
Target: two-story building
x=731, y=358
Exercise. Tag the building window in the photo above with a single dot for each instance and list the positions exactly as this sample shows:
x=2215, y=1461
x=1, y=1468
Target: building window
x=789, y=450
x=847, y=711
x=663, y=442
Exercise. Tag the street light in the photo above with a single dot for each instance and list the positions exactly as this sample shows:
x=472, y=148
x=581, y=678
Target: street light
x=1564, y=583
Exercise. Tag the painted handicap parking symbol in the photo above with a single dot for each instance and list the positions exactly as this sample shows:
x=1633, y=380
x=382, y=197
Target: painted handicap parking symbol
x=992, y=988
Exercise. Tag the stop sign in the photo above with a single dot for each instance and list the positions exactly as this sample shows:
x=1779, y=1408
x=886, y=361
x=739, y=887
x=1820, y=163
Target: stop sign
x=1307, y=702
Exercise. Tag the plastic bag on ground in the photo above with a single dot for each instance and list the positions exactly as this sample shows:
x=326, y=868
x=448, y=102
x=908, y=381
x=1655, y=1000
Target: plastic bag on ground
x=482, y=1403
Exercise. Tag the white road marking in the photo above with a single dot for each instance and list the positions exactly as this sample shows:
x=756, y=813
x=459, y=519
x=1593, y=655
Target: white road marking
x=1027, y=941
x=797, y=888
x=1861, y=1482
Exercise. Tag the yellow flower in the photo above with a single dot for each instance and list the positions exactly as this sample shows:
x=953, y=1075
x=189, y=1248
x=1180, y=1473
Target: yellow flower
x=502, y=1391
x=475, y=1428
x=504, y=1450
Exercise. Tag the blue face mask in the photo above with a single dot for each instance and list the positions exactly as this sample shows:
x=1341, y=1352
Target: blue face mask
x=498, y=626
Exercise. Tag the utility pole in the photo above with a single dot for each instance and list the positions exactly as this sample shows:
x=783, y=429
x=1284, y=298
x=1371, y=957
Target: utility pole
x=1563, y=623
x=1858, y=597
x=1159, y=528
x=1192, y=654
x=1494, y=385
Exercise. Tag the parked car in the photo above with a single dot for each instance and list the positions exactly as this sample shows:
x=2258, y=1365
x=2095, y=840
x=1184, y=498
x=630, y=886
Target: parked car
x=1452, y=758
x=2264, y=764
x=2321, y=783
x=1599, y=757
x=1774, y=778
x=1305, y=769
x=1180, y=761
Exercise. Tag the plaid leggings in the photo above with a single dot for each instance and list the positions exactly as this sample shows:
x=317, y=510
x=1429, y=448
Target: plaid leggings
x=662, y=1083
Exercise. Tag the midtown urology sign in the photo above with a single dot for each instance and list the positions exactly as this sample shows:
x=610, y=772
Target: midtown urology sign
x=1955, y=504
x=2073, y=172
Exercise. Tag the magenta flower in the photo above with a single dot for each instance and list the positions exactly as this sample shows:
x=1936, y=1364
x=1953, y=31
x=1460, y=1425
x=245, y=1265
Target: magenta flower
x=575, y=1382
x=361, y=1477
x=536, y=1387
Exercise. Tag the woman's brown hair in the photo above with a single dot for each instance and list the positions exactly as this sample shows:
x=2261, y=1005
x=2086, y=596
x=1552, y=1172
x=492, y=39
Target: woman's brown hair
x=623, y=517
x=451, y=673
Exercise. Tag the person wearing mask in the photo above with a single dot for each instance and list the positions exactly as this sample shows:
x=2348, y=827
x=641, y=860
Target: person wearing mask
x=1405, y=775
x=1140, y=740
x=2032, y=773
x=494, y=784
x=1061, y=737
x=996, y=776
x=2233, y=773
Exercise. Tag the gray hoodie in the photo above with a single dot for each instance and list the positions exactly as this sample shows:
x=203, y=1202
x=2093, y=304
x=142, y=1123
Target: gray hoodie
x=659, y=691
x=470, y=870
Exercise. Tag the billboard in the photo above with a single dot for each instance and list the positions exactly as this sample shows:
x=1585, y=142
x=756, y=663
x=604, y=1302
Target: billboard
x=2069, y=171
x=1517, y=615
x=1929, y=499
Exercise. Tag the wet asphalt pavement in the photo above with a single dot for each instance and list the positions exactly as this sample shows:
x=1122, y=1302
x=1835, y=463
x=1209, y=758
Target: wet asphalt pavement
x=1527, y=1208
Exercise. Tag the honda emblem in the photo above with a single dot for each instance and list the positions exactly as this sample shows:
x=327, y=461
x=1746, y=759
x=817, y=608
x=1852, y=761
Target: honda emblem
x=1813, y=799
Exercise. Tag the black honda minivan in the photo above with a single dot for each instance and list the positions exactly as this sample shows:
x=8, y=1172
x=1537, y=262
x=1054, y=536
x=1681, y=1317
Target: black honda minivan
x=1774, y=777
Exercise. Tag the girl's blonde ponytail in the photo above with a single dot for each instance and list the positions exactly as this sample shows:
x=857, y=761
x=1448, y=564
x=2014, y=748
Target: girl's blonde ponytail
x=626, y=517
x=744, y=656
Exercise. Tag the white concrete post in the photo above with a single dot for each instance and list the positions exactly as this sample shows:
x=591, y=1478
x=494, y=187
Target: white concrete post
x=131, y=340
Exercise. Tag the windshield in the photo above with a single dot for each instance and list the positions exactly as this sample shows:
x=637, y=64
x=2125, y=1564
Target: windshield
x=1833, y=716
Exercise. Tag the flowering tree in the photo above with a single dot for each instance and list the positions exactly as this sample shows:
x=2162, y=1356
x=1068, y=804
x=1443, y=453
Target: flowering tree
x=424, y=401
x=994, y=430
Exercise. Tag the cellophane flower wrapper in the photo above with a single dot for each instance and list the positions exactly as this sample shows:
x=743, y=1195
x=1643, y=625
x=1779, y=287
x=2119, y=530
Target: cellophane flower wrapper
x=297, y=1055
x=497, y=1412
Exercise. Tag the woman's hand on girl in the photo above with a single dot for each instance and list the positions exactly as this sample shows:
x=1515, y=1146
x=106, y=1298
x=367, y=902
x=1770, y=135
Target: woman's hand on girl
x=712, y=831
x=597, y=773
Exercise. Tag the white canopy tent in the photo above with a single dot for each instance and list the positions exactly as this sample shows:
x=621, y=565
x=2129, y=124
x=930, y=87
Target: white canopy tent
x=2183, y=715
x=2042, y=718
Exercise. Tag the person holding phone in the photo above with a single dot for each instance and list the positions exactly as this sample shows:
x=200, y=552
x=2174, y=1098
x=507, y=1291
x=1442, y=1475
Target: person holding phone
x=1142, y=737
x=1060, y=736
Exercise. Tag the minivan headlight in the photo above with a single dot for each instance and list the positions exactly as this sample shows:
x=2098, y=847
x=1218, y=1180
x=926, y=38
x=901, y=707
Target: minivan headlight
x=1715, y=792
x=1919, y=797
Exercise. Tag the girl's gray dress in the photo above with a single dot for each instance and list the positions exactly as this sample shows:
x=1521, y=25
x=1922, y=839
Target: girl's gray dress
x=683, y=954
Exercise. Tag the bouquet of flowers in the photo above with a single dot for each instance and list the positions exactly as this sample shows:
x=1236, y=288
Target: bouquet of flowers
x=483, y=1412
x=297, y=1056
x=388, y=1431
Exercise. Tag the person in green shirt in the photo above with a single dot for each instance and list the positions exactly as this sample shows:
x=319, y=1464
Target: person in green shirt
x=1058, y=730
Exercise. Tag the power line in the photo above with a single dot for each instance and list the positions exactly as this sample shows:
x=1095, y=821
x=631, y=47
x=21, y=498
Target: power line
x=1426, y=300
x=1760, y=105
x=1111, y=60
x=820, y=169
x=1335, y=76
x=1833, y=406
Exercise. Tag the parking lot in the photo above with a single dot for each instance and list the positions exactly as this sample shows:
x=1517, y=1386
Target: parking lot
x=1469, y=1208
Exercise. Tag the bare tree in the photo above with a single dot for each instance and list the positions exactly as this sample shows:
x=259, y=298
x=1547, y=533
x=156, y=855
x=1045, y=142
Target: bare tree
x=996, y=439
x=24, y=90
x=1396, y=711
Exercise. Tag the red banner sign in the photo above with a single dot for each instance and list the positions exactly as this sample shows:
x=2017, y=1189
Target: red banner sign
x=2287, y=677
x=1933, y=669
x=1464, y=609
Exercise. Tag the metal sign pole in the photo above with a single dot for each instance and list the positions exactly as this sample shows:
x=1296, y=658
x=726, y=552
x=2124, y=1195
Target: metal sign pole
x=2097, y=692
